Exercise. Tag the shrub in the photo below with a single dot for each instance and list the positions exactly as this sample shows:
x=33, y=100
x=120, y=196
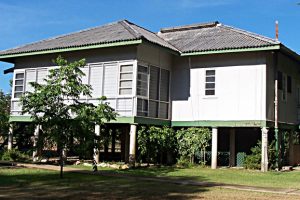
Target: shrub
x=192, y=140
x=14, y=155
x=253, y=161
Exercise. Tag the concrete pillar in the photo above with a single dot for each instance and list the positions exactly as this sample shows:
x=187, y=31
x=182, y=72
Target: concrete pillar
x=264, y=149
x=10, y=137
x=126, y=146
x=214, y=148
x=96, y=149
x=132, y=144
x=232, y=147
x=35, y=142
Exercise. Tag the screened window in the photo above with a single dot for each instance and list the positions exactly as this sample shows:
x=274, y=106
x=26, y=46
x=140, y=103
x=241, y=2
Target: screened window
x=19, y=85
x=153, y=86
x=279, y=78
x=142, y=81
x=284, y=88
x=154, y=83
x=142, y=107
x=164, y=85
x=210, y=79
x=126, y=75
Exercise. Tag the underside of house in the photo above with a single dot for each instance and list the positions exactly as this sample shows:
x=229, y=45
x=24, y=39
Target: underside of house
x=202, y=75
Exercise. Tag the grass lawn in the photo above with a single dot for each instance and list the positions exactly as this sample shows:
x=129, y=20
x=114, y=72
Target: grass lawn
x=222, y=175
x=24, y=183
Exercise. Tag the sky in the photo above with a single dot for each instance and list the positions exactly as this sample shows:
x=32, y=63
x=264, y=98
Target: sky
x=26, y=21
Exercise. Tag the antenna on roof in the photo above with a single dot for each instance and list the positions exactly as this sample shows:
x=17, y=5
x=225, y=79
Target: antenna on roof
x=276, y=30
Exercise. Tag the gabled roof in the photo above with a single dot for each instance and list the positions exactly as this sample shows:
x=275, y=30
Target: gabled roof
x=212, y=37
x=120, y=31
x=187, y=40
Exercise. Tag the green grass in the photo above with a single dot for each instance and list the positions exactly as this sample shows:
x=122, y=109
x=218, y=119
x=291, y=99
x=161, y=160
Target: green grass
x=23, y=183
x=222, y=175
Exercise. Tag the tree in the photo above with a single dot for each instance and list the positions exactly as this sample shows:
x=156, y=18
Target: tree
x=154, y=141
x=4, y=114
x=57, y=107
x=192, y=140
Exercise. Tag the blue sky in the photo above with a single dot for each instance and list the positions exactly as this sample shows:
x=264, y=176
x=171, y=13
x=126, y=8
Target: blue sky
x=23, y=22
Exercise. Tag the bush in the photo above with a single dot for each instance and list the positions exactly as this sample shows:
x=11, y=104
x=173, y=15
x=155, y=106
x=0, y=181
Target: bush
x=253, y=161
x=14, y=155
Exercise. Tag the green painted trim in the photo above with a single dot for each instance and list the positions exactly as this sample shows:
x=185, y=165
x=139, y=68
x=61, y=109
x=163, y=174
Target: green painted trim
x=114, y=44
x=276, y=47
x=243, y=123
x=20, y=119
x=282, y=125
x=123, y=120
x=152, y=121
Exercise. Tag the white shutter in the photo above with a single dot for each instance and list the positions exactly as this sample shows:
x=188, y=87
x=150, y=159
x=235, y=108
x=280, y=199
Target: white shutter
x=96, y=80
x=30, y=77
x=41, y=75
x=111, y=80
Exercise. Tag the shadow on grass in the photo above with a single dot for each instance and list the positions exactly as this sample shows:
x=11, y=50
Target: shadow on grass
x=33, y=183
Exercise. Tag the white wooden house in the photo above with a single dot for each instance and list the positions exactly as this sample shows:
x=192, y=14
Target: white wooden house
x=207, y=75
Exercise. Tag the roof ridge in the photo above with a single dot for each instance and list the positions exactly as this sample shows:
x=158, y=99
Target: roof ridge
x=128, y=23
x=62, y=35
x=251, y=34
x=132, y=31
x=189, y=27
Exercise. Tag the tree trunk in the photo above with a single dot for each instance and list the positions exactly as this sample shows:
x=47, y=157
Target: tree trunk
x=61, y=163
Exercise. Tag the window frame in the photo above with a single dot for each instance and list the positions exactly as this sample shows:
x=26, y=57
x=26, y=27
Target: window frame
x=14, y=83
x=147, y=82
x=120, y=80
x=209, y=82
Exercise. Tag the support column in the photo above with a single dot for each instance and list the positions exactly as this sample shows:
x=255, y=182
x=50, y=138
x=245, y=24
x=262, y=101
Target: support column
x=132, y=144
x=264, y=149
x=214, y=148
x=96, y=149
x=35, y=143
x=126, y=150
x=232, y=147
x=10, y=137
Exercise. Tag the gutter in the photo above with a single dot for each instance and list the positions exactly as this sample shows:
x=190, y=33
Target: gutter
x=268, y=48
x=114, y=44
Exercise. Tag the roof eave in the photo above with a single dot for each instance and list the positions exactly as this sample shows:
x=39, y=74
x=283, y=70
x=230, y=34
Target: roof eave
x=237, y=50
x=68, y=49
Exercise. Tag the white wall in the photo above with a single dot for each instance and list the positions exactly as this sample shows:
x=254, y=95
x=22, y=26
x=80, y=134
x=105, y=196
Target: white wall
x=240, y=89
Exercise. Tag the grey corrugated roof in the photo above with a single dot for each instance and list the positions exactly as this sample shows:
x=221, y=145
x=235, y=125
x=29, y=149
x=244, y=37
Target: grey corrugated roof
x=109, y=33
x=212, y=36
x=190, y=38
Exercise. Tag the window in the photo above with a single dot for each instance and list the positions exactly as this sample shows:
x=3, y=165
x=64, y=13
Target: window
x=19, y=85
x=210, y=78
x=153, y=91
x=289, y=84
x=126, y=74
x=284, y=87
x=279, y=78
x=154, y=83
x=142, y=107
x=142, y=81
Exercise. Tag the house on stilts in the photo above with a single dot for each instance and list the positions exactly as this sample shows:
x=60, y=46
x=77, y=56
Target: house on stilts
x=201, y=75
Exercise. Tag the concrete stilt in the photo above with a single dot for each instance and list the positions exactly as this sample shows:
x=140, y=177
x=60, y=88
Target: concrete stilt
x=96, y=149
x=35, y=142
x=126, y=145
x=132, y=144
x=10, y=137
x=214, y=148
x=264, y=149
x=232, y=147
